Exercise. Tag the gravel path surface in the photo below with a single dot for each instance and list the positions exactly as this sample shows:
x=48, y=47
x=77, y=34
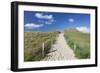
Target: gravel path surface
x=60, y=50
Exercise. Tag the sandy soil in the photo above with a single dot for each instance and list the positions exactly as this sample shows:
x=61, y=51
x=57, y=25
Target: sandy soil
x=60, y=50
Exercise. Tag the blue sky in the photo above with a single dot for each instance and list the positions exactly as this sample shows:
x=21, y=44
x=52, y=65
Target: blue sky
x=51, y=21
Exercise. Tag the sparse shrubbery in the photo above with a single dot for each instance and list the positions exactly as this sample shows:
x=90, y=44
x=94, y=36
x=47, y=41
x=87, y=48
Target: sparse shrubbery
x=33, y=44
x=81, y=42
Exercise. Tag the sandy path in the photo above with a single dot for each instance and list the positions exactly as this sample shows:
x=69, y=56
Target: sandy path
x=60, y=50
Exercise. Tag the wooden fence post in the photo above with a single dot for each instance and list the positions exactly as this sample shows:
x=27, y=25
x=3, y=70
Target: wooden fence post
x=42, y=49
x=74, y=46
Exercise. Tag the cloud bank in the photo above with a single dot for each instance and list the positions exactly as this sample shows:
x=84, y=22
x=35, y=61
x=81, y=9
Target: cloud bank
x=48, y=18
x=33, y=25
x=83, y=29
x=41, y=16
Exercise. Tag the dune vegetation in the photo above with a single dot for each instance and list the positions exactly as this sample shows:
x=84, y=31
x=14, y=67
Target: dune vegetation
x=33, y=41
x=79, y=42
x=33, y=44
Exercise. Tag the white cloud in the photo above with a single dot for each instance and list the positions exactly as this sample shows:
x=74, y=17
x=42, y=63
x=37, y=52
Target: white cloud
x=50, y=21
x=71, y=20
x=33, y=25
x=41, y=16
x=83, y=29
